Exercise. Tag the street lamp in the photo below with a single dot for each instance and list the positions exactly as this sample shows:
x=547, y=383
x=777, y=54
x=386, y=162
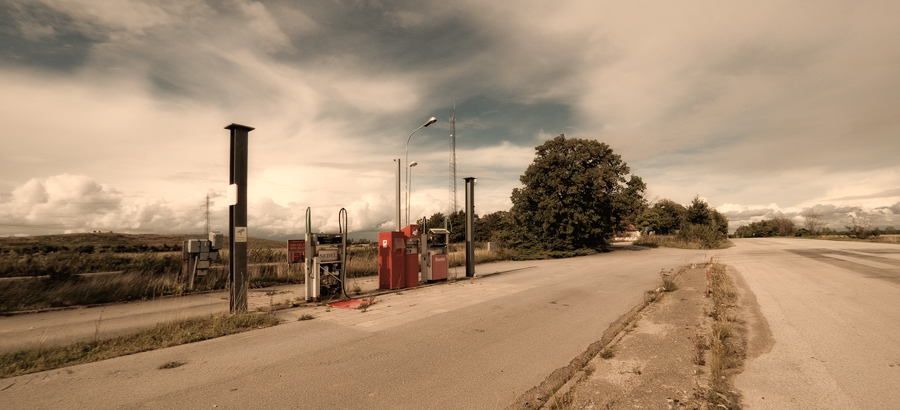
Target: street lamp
x=430, y=121
x=409, y=173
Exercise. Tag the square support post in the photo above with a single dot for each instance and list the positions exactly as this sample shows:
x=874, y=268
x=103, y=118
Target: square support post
x=470, y=226
x=237, y=220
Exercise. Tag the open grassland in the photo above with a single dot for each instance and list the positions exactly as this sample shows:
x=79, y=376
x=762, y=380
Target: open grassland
x=44, y=272
x=162, y=336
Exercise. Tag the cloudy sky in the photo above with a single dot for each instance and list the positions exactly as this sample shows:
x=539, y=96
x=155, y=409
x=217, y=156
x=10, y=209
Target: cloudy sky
x=113, y=111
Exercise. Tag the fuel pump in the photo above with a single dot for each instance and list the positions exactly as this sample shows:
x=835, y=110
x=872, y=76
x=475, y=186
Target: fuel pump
x=434, y=261
x=326, y=260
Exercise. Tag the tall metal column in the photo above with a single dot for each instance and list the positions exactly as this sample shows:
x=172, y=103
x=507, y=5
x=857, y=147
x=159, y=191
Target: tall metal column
x=237, y=220
x=470, y=226
x=398, y=196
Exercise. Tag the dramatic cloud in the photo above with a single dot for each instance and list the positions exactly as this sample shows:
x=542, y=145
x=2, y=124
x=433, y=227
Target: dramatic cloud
x=743, y=103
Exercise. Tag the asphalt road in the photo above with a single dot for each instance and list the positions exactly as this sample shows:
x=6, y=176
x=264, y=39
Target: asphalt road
x=35, y=330
x=833, y=315
x=469, y=345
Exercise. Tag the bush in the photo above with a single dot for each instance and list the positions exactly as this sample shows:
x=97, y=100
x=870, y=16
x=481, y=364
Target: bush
x=708, y=236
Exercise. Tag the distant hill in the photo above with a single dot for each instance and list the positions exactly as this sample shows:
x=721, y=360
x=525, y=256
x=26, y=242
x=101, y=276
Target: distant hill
x=113, y=240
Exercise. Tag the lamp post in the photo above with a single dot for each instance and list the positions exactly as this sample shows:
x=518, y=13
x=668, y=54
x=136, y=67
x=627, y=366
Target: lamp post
x=430, y=121
x=409, y=187
x=399, y=220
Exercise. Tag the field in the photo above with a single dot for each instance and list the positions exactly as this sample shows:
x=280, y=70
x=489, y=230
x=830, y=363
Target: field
x=55, y=271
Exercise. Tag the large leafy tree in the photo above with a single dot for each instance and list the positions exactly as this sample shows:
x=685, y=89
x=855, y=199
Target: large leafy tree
x=575, y=194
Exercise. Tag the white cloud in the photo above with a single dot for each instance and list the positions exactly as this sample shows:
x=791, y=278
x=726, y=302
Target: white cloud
x=759, y=103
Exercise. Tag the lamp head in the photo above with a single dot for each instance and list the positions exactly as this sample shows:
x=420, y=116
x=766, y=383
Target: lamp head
x=412, y=164
x=430, y=121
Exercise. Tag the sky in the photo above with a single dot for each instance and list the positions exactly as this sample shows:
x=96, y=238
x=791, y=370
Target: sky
x=113, y=111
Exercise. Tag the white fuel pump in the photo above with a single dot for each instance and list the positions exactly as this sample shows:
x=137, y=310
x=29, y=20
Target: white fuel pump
x=326, y=259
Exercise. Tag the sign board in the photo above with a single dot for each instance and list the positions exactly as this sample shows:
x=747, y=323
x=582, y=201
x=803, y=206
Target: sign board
x=296, y=250
x=240, y=234
x=232, y=194
x=328, y=255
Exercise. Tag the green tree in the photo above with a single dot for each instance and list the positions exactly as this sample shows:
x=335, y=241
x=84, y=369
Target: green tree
x=665, y=217
x=699, y=212
x=457, y=226
x=436, y=220
x=572, y=195
x=489, y=228
x=720, y=222
x=629, y=204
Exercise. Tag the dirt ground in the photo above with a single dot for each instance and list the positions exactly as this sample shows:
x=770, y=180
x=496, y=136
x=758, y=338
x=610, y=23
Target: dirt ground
x=654, y=363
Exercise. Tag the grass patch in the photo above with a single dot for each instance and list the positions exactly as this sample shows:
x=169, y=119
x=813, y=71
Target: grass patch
x=682, y=242
x=306, y=316
x=700, y=348
x=365, y=305
x=147, y=276
x=894, y=239
x=162, y=336
x=726, y=347
x=171, y=365
x=608, y=353
x=668, y=281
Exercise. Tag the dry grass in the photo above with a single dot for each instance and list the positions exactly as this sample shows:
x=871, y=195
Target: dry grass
x=482, y=255
x=675, y=241
x=668, y=281
x=151, y=276
x=726, y=348
x=700, y=348
x=162, y=336
x=879, y=239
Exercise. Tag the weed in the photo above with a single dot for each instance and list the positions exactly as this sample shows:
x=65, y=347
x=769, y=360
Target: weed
x=700, y=347
x=564, y=402
x=608, y=353
x=306, y=316
x=172, y=365
x=367, y=303
x=97, y=326
x=668, y=281
x=725, y=348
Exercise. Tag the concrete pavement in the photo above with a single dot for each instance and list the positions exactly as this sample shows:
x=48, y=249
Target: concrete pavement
x=59, y=327
x=833, y=316
x=468, y=345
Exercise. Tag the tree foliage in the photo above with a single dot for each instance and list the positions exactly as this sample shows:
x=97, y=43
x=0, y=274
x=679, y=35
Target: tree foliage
x=778, y=226
x=665, y=217
x=575, y=195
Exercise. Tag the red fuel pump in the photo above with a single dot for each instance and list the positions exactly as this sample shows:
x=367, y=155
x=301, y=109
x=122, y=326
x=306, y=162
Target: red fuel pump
x=391, y=259
x=412, y=256
x=398, y=258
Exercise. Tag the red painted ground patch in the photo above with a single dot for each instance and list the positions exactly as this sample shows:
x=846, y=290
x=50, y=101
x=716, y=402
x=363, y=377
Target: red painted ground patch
x=348, y=304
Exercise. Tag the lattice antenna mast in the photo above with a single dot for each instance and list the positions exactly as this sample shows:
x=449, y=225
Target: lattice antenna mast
x=206, y=214
x=453, y=204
